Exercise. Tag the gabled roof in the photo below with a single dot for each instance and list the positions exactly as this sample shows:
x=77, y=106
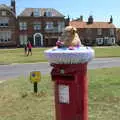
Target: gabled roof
x=5, y=7
x=29, y=12
x=80, y=24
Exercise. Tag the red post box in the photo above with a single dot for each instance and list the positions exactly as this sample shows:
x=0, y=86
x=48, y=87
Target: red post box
x=69, y=74
x=71, y=91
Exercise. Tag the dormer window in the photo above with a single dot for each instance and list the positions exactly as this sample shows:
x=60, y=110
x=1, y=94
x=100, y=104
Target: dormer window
x=36, y=12
x=3, y=13
x=48, y=13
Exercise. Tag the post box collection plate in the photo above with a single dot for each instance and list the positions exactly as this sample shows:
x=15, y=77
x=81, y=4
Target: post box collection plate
x=63, y=91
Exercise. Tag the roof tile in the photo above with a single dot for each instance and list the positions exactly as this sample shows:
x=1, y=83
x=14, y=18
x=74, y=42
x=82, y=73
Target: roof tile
x=79, y=24
x=29, y=11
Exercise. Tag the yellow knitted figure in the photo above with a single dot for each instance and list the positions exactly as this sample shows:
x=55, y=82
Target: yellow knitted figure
x=70, y=37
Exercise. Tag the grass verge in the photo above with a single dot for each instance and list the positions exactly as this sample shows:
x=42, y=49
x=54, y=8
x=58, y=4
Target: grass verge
x=17, y=101
x=104, y=94
x=107, y=51
x=9, y=56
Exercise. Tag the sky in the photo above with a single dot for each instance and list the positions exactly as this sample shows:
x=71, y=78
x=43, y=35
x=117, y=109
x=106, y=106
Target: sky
x=101, y=10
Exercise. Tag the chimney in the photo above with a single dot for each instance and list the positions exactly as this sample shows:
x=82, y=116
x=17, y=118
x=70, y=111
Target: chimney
x=67, y=21
x=90, y=20
x=111, y=20
x=13, y=5
x=81, y=18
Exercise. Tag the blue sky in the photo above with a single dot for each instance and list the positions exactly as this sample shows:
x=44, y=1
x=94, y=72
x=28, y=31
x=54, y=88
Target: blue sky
x=100, y=9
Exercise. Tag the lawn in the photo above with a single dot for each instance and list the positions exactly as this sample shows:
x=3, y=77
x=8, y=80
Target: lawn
x=17, y=101
x=107, y=51
x=8, y=56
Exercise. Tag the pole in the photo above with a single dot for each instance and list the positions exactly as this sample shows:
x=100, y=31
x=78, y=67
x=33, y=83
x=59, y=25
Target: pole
x=35, y=87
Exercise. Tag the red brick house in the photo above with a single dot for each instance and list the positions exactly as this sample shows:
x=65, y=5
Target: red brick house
x=118, y=36
x=41, y=26
x=95, y=33
x=8, y=25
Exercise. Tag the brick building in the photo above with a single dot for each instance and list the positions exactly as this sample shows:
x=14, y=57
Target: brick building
x=95, y=33
x=8, y=25
x=118, y=36
x=42, y=26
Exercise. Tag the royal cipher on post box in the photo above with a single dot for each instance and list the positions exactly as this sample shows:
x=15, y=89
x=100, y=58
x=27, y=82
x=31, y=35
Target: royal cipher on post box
x=69, y=74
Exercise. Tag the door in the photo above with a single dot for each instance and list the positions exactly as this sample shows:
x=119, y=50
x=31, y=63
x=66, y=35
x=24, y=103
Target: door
x=37, y=41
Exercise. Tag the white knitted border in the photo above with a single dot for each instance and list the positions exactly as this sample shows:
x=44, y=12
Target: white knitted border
x=70, y=56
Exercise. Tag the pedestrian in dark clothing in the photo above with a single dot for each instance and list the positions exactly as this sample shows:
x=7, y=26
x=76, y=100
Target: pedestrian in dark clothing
x=29, y=46
x=25, y=49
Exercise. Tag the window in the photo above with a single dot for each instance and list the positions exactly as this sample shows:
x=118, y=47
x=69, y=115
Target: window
x=49, y=25
x=48, y=13
x=88, y=31
x=3, y=13
x=111, y=32
x=36, y=12
x=23, y=39
x=99, y=41
x=55, y=24
x=61, y=26
x=5, y=36
x=4, y=22
x=23, y=26
x=112, y=40
x=37, y=26
x=99, y=31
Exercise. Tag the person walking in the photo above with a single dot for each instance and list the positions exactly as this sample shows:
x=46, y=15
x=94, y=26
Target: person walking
x=29, y=46
x=25, y=49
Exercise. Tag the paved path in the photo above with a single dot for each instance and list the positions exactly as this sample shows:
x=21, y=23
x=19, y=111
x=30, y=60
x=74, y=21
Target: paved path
x=15, y=70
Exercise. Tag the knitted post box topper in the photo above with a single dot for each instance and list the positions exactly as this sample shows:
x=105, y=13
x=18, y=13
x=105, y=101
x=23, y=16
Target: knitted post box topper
x=70, y=37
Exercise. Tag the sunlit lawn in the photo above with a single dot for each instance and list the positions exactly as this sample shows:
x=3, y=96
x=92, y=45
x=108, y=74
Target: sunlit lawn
x=107, y=51
x=8, y=56
x=17, y=101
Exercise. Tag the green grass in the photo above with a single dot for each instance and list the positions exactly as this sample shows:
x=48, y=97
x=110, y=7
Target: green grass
x=104, y=94
x=107, y=51
x=17, y=101
x=8, y=56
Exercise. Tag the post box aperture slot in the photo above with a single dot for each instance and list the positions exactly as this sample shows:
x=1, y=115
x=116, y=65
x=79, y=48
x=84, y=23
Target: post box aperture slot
x=61, y=77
